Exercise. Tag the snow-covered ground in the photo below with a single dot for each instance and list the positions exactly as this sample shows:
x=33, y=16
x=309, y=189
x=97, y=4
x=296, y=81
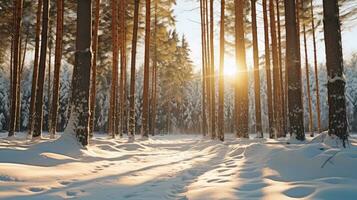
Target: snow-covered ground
x=177, y=167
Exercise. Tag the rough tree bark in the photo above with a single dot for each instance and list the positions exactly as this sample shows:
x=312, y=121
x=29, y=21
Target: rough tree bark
x=145, y=116
x=242, y=107
x=22, y=64
x=57, y=67
x=258, y=117
x=16, y=63
x=131, y=133
x=295, y=106
x=35, y=68
x=307, y=71
x=334, y=63
x=122, y=82
x=38, y=117
x=220, y=130
x=93, y=91
x=154, y=76
x=318, y=109
x=282, y=83
x=208, y=68
x=278, y=121
x=49, y=81
x=204, y=65
x=112, y=129
x=268, y=70
x=79, y=120
x=212, y=73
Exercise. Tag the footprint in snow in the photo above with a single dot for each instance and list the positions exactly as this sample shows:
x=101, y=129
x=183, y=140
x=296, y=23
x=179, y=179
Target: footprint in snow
x=299, y=191
x=229, y=162
x=223, y=181
x=128, y=196
x=36, y=189
x=213, y=180
x=222, y=170
x=65, y=182
x=251, y=186
x=238, y=157
x=252, y=174
x=6, y=178
x=71, y=193
x=248, y=169
x=232, y=166
x=226, y=175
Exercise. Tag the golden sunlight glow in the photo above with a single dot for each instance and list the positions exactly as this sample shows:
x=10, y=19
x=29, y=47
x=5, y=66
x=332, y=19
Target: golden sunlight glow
x=230, y=69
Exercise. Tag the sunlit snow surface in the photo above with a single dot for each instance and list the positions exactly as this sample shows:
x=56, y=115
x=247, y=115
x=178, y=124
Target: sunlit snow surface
x=176, y=167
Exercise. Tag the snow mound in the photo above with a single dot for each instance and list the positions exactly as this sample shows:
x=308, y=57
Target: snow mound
x=312, y=161
x=329, y=140
x=44, y=153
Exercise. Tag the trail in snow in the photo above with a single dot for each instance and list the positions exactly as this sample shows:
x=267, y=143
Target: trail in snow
x=175, y=167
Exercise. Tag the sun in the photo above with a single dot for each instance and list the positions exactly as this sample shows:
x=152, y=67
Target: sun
x=230, y=69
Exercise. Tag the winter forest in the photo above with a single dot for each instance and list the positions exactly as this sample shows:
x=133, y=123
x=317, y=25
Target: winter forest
x=178, y=99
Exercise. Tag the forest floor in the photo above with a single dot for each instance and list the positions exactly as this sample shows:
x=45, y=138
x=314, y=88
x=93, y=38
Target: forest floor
x=177, y=167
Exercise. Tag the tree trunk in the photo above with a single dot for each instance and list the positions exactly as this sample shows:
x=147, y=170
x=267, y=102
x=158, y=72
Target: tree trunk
x=131, y=133
x=41, y=74
x=153, y=99
x=154, y=76
x=22, y=64
x=57, y=67
x=122, y=84
x=145, y=116
x=268, y=70
x=212, y=74
x=204, y=65
x=282, y=88
x=318, y=110
x=276, y=74
x=16, y=66
x=112, y=129
x=334, y=63
x=35, y=68
x=50, y=44
x=208, y=69
x=221, y=77
x=79, y=120
x=295, y=109
x=242, y=79
x=93, y=90
x=258, y=117
x=11, y=68
x=307, y=71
